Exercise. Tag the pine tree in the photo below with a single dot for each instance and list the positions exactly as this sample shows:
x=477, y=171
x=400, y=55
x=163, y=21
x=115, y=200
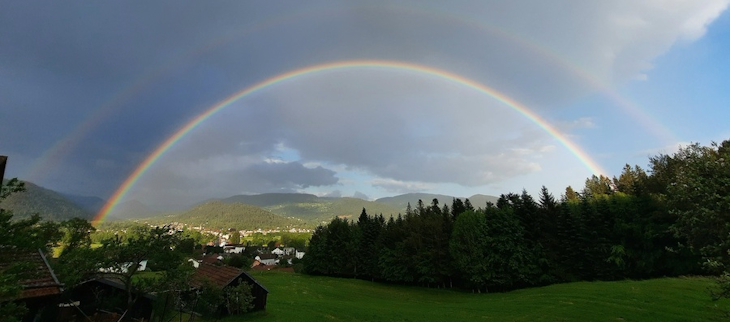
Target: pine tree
x=467, y=205
x=367, y=255
x=457, y=207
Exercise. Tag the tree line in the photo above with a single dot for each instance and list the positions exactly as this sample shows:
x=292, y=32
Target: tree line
x=671, y=220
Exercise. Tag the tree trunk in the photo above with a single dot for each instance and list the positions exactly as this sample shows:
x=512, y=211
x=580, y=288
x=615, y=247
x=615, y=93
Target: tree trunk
x=130, y=300
x=164, y=308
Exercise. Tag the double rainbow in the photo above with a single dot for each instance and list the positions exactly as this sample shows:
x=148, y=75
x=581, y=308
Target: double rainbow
x=179, y=134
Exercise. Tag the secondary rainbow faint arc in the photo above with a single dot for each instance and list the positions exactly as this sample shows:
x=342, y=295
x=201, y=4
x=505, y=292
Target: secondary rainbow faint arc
x=167, y=144
x=66, y=144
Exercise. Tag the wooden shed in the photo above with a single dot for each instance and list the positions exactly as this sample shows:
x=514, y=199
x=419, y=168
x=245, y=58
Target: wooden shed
x=223, y=276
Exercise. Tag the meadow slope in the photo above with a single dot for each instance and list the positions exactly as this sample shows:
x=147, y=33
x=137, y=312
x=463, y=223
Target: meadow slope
x=297, y=297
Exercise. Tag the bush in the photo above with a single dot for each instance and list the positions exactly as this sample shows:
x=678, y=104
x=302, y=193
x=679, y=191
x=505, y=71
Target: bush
x=239, y=299
x=239, y=261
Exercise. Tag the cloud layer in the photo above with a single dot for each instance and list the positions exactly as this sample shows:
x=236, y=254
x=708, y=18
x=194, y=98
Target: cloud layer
x=149, y=68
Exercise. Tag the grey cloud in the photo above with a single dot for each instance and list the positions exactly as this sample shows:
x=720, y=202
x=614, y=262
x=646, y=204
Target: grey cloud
x=291, y=174
x=395, y=186
x=164, y=63
x=406, y=127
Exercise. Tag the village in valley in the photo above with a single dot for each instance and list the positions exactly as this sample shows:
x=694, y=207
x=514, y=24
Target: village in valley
x=228, y=243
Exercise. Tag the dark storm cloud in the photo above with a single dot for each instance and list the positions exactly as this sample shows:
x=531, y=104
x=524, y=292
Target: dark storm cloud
x=60, y=62
x=292, y=174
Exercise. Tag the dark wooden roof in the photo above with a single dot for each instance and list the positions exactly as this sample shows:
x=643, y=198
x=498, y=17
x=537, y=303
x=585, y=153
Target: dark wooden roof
x=114, y=282
x=267, y=256
x=41, y=280
x=213, y=258
x=220, y=275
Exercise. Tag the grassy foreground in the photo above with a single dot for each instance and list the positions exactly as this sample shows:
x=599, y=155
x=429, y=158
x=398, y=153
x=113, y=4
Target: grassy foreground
x=297, y=297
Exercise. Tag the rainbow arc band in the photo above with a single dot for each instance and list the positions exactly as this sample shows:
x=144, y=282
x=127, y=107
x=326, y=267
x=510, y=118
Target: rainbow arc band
x=589, y=163
x=46, y=163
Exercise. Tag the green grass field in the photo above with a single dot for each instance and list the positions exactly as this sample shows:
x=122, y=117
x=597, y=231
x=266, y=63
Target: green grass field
x=297, y=297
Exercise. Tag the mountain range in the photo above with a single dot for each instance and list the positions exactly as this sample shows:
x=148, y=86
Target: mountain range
x=220, y=215
x=287, y=209
x=49, y=204
x=402, y=201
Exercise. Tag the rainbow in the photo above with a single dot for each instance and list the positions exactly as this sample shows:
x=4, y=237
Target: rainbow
x=179, y=134
x=51, y=156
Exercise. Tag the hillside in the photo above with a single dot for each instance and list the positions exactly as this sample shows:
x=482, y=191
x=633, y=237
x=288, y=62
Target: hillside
x=311, y=208
x=297, y=297
x=480, y=201
x=50, y=204
x=324, y=209
x=401, y=201
x=220, y=215
x=272, y=199
x=315, y=210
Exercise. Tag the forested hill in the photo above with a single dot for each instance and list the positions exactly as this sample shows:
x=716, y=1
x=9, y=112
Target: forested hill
x=311, y=208
x=47, y=203
x=220, y=215
x=315, y=210
x=324, y=209
x=401, y=201
x=272, y=199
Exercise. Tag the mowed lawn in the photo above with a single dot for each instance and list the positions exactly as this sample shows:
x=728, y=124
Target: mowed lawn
x=297, y=297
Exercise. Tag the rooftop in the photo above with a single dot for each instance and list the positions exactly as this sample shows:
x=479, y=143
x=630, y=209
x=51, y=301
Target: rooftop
x=41, y=280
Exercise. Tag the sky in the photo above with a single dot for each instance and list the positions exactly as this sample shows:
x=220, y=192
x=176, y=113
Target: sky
x=89, y=90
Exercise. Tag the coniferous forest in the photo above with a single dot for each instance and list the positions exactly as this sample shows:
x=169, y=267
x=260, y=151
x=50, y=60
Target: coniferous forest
x=670, y=220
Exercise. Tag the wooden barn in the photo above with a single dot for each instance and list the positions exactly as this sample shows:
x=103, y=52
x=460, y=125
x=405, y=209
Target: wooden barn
x=224, y=276
x=107, y=297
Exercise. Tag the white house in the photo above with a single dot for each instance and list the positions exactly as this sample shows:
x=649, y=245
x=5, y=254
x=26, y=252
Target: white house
x=124, y=267
x=234, y=249
x=299, y=254
x=266, y=259
x=277, y=251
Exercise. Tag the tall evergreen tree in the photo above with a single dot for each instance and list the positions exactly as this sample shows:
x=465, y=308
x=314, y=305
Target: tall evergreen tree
x=367, y=255
x=469, y=247
x=457, y=207
x=467, y=205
